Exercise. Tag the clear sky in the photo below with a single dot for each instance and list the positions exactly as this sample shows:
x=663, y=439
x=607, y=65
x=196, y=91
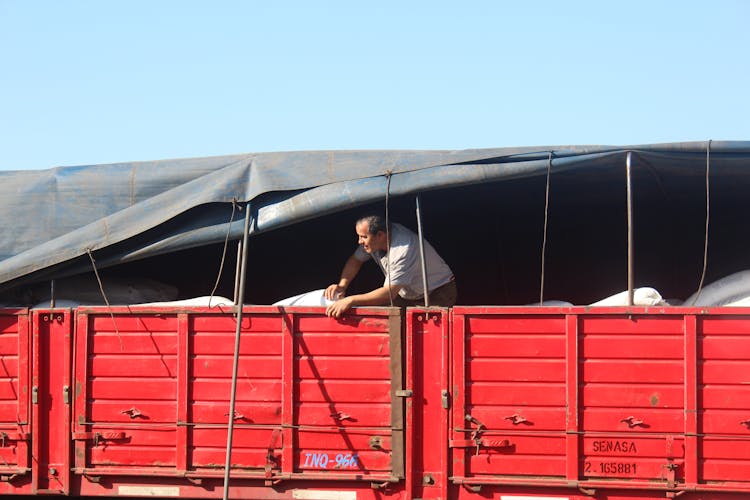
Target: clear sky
x=86, y=82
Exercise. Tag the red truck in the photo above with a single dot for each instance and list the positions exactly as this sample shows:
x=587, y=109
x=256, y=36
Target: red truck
x=510, y=402
x=486, y=399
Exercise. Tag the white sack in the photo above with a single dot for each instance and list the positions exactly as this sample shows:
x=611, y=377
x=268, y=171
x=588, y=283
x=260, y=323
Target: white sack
x=727, y=290
x=314, y=298
x=743, y=302
x=203, y=301
x=552, y=303
x=644, y=296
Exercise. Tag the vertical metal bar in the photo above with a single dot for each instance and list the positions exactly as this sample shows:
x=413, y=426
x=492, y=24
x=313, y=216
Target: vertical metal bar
x=461, y=461
x=630, y=228
x=288, y=372
x=693, y=369
x=237, y=272
x=239, y=303
x=396, y=366
x=52, y=294
x=410, y=437
x=421, y=255
x=445, y=390
x=183, y=373
x=573, y=457
x=82, y=369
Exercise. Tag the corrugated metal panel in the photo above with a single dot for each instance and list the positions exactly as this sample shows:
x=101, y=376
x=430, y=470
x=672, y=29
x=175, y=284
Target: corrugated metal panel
x=649, y=399
x=724, y=395
x=315, y=396
x=510, y=413
x=15, y=424
x=632, y=396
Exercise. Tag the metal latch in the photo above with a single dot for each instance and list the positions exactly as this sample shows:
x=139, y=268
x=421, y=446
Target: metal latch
x=444, y=399
x=482, y=442
x=35, y=395
x=404, y=393
x=19, y=436
x=66, y=394
x=133, y=412
x=376, y=442
x=631, y=421
x=516, y=419
x=98, y=437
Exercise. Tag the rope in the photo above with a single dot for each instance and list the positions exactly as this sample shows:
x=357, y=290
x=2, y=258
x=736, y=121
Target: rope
x=223, y=253
x=708, y=205
x=546, y=219
x=104, y=295
x=388, y=175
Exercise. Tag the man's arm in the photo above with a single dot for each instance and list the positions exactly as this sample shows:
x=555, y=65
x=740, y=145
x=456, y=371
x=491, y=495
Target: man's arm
x=351, y=268
x=378, y=297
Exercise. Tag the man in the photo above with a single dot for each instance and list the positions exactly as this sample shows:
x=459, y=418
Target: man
x=399, y=259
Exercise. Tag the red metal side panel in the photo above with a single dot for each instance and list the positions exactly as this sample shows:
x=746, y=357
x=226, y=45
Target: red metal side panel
x=724, y=393
x=429, y=332
x=316, y=397
x=657, y=399
x=50, y=399
x=632, y=374
x=344, y=395
x=259, y=391
x=14, y=401
x=510, y=419
x=125, y=410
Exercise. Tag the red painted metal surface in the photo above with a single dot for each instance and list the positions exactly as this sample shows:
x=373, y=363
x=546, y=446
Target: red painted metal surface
x=316, y=397
x=602, y=398
x=474, y=402
x=428, y=331
x=50, y=401
x=15, y=391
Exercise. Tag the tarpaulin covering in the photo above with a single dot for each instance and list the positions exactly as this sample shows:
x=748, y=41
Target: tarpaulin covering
x=120, y=212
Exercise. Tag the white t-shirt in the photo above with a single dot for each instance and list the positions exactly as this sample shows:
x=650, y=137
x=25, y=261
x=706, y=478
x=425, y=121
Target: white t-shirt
x=405, y=265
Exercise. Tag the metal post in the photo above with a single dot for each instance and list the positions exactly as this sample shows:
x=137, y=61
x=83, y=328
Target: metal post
x=237, y=272
x=52, y=294
x=238, y=306
x=630, y=229
x=421, y=255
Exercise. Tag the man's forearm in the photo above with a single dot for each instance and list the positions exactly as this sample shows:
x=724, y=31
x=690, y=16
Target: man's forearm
x=377, y=297
x=351, y=269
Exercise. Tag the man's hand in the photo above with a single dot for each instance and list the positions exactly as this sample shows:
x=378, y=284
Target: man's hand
x=334, y=292
x=339, y=307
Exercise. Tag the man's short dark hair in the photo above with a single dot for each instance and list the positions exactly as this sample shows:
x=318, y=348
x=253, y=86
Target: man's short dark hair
x=375, y=223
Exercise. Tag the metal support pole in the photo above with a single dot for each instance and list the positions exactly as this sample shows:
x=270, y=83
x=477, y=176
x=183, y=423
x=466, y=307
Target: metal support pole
x=237, y=272
x=421, y=255
x=52, y=294
x=630, y=228
x=238, y=306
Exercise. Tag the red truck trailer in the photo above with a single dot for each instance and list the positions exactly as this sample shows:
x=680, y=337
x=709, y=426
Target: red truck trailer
x=469, y=402
x=487, y=399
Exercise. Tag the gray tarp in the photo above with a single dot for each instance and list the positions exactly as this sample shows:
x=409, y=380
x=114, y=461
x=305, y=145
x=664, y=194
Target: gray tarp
x=126, y=211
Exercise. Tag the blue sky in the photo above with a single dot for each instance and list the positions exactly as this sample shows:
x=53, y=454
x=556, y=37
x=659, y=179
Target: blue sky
x=86, y=82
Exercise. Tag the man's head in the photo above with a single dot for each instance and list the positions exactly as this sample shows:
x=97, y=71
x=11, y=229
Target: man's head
x=372, y=233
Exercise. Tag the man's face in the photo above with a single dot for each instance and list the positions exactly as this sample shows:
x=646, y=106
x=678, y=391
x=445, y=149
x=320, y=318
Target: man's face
x=370, y=242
